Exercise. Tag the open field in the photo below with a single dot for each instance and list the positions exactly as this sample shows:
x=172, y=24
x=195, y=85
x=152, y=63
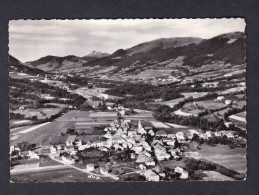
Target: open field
x=171, y=103
x=38, y=134
x=46, y=132
x=103, y=114
x=215, y=176
x=154, y=73
x=186, y=113
x=41, y=113
x=194, y=108
x=194, y=94
x=19, y=122
x=89, y=93
x=67, y=174
x=234, y=159
x=159, y=124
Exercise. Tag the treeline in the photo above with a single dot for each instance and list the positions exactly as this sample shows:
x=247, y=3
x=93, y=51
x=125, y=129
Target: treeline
x=233, y=111
x=81, y=81
x=164, y=113
x=26, y=89
x=141, y=92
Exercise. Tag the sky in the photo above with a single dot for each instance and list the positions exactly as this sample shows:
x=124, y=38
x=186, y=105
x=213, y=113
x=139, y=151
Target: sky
x=32, y=39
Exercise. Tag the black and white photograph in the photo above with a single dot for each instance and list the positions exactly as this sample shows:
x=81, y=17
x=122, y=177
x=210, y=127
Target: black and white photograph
x=127, y=100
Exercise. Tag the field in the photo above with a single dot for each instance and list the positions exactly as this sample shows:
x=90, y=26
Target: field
x=154, y=73
x=159, y=124
x=141, y=115
x=194, y=94
x=64, y=175
x=89, y=93
x=44, y=133
x=171, y=103
x=187, y=113
x=220, y=114
x=195, y=108
x=234, y=159
x=41, y=113
x=216, y=176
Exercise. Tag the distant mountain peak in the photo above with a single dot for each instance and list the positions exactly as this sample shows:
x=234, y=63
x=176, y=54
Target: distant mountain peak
x=97, y=54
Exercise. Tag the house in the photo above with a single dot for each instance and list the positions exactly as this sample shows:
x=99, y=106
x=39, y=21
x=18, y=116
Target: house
x=151, y=132
x=161, y=133
x=142, y=167
x=21, y=108
x=31, y=155
x=109, y=108
x=171, y=143
x=217, y=134
x=150, y=162
x=150, y=175
x=162, y=156
x=11, y=149
x=68, y=160
x=228, y=102
x=104, y=170
x=203, y=136
x=90, y=167
x=230, y=135
x=189, y=135
x=70, y=139
x=78, y=143
x=132, y=156
x=53, y=150
x=173, y=153
x=208, y=133
x=183, y=173
x=141, y=131
x=180, y=137
x=141, y=158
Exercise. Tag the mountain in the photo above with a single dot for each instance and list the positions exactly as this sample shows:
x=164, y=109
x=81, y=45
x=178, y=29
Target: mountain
x=163, y=43
x=69, y=63
x=228, y=48
x=166, y=52
x=16, y=66
x=97, y=54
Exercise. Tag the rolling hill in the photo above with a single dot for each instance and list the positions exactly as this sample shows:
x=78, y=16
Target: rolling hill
x=192, y=52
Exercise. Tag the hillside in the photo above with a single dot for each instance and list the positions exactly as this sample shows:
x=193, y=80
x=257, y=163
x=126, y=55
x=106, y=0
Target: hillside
x=163, y=53
x=163, y=43
x=15, y=66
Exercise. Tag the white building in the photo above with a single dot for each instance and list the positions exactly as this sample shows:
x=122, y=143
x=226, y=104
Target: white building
x=150, y=175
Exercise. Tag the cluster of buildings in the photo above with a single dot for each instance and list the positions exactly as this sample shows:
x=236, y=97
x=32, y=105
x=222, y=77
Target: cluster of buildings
x=145, y=146
x=16, y=153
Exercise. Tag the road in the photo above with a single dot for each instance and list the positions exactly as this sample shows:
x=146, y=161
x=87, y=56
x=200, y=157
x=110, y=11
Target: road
x=84, y=170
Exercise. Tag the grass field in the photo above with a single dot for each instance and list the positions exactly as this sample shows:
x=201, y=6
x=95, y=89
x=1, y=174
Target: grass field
x=194, y=94
x=154, y=73
x=216, y=176
x=75, y=118
x=193, y=107
x=41, y=113
x=64, y=175
x=171, y=103
x=234, y=159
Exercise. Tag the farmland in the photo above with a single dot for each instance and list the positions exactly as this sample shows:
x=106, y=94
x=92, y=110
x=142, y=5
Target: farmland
x=234, y=159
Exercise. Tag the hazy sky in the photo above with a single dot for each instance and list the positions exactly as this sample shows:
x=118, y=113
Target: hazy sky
x=32, y=39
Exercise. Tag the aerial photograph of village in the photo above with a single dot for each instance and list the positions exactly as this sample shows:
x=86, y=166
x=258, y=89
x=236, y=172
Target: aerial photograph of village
x=127, y=100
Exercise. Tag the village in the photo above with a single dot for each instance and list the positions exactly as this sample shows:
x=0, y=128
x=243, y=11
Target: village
x=143, y=149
